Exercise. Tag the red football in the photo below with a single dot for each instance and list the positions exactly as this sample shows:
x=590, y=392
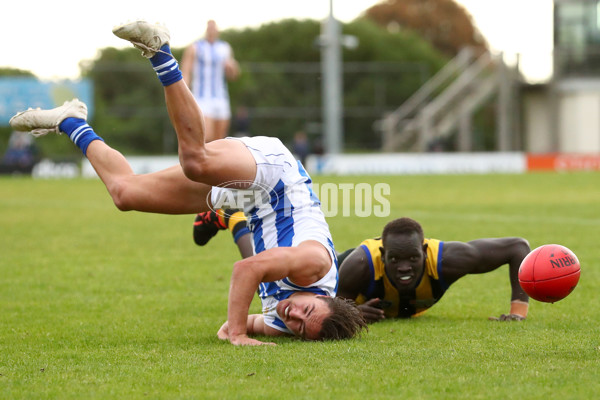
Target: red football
x=549, y=273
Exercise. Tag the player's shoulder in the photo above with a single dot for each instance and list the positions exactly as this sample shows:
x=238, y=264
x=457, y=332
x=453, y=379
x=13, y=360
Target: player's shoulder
x=356, y=266
x=365, y=257
x=372, y=243
x=358, y=258
x=456, y=253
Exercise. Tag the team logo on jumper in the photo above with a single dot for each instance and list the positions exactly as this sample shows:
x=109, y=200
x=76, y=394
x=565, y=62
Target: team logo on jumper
x=345, y=199
x=234, y=196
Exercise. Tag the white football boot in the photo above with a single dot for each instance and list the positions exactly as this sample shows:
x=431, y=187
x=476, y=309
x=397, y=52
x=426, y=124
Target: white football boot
x=41, y=122
x=145, y=36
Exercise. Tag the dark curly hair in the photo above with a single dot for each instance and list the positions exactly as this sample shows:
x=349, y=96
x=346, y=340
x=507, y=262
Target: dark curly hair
x=345, y=321
x=403, y=226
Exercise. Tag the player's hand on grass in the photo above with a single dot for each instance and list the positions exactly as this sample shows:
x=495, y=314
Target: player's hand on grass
x=244, y=340
x=223, y=333
x=371, y=311
x=239, y=340
x=508, y=317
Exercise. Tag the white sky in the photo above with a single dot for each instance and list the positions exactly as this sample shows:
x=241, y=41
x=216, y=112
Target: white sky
x=50, y=37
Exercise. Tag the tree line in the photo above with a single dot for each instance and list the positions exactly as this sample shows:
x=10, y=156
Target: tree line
x=279, y=89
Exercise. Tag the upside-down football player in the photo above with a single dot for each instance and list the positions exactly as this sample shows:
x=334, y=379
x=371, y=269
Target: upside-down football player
x=295, y=268
x=401, y=274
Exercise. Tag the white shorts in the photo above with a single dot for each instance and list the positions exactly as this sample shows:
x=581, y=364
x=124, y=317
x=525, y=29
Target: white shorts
x=215, y=108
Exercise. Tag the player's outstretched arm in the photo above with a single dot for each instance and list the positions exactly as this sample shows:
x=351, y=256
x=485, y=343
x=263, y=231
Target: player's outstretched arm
x=232, y=68
x=303, y=265
x=485, y=255
x=355, y=276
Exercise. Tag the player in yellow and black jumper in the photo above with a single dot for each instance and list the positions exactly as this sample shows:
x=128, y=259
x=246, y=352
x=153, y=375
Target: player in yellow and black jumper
x=402, y=274
x=392, y=301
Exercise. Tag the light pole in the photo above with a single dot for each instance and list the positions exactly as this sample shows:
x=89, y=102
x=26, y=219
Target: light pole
x=331, y=84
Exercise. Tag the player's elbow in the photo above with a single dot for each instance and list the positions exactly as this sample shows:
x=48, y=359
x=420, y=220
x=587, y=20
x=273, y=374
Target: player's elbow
x=242, y=267
x=323, y=263
x=523, y=245
x=520, y=248
x=314, y=261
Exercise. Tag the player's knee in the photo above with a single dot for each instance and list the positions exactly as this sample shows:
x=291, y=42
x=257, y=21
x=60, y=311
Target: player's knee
x=121, y=195
x=194, y=165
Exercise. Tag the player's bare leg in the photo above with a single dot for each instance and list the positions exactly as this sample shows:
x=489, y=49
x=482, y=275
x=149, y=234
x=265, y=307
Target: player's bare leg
x=167, y=192
x=214, y=163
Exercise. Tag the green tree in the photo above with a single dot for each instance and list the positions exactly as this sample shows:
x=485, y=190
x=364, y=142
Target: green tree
x=399, y=62
x=280, y=84
x=5, y=71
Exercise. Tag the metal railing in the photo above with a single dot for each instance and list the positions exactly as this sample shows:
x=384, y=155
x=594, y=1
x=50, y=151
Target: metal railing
x=444, y=104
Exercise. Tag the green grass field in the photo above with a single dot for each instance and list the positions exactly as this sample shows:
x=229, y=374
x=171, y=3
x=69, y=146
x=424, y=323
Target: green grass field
x=100, y=304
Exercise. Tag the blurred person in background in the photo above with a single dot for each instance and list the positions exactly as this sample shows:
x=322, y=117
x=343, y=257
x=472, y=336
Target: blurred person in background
x=21, y=154
x=241, y=122
x=301, y=147
x=207, y=65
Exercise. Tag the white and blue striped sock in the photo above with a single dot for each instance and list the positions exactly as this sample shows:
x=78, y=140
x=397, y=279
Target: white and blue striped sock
x=79, y=132
x=166, y=66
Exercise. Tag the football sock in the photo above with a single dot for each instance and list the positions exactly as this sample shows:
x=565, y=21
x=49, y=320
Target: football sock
x=79, y=132
x=236, y=222
x=166, y=66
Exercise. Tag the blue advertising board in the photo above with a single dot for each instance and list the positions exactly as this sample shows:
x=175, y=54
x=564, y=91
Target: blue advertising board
x=20, y=93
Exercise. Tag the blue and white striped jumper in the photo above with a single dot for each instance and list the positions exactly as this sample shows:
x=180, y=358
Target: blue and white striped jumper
x=209, y=81
x=282, y=211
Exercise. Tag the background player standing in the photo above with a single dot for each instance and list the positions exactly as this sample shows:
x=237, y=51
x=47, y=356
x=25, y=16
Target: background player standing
x=206, y=66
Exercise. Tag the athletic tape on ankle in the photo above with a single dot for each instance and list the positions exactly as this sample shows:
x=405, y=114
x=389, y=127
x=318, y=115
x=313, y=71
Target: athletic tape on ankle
x=519, y=307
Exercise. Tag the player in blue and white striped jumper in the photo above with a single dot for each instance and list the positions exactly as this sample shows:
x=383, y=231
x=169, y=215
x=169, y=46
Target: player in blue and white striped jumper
x=282, y=211
x=207, y=65
x=294, y=269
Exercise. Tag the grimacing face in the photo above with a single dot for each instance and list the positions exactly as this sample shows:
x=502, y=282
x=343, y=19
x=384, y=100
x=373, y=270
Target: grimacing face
x=303, y=313
x=404, y=258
